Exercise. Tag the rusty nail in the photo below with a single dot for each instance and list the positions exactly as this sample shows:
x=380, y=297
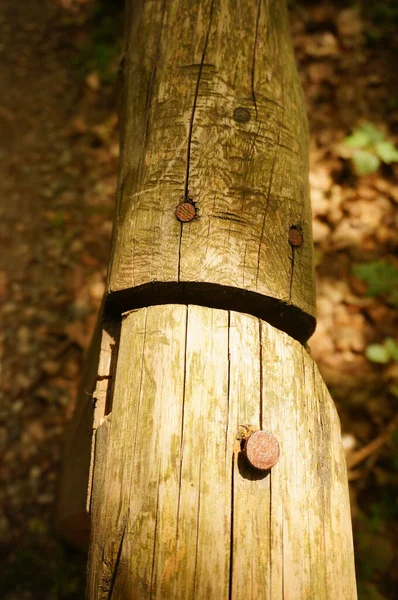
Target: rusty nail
x=262, y=450
x=185, y=212
x=295, y=236
x=241, y=115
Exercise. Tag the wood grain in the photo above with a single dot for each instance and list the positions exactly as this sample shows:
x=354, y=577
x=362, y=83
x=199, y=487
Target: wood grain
x=177, y=511
x=93, y=402
x=248, y=178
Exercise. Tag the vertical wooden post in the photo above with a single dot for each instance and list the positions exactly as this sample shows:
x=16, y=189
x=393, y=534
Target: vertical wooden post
x=211, y=276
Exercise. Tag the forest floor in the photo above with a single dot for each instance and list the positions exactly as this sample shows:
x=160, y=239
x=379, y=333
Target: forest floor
x=58, y=165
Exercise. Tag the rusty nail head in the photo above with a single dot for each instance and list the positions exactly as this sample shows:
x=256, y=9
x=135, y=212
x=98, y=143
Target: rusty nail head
x=185, y=212
x=241, y=115
x=295, y=236
x=262, y=450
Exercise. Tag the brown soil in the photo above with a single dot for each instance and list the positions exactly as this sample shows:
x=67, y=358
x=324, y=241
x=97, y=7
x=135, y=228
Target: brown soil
x=58, y=167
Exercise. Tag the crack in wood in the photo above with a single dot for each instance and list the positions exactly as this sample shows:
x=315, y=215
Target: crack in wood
x=266, y=210
x=197, y=530
x=229, y=377
x=139, y=400
x=118, y=557
x=230, y=217
x=182, y=429
x=291, y=274
x=155, y=536
x=200, y=65
x=270, y=531
x=249, y=158
x=254, y=57
x=179, y=254
x=202, y=62
x=231, y=536
x=190, y=133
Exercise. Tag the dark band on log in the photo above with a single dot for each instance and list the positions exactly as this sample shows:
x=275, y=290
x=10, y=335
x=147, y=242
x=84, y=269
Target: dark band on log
x=281, y=315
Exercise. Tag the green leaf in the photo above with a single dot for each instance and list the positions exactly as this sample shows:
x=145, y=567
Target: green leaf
x=377, y=353
x=358, y=139
x=365, y=135
x=381, y=277
x=392, y=348
x=386, y=151
x=374, y=135
x=365, y=162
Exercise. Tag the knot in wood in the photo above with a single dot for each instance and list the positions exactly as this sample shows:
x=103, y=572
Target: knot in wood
x=295, y=236
x=262, y=450
x=241, y=115
x=185, y=212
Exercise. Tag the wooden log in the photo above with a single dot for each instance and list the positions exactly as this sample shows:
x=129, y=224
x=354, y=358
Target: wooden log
x=213, y=122
x=213, y=116
x=177, y=510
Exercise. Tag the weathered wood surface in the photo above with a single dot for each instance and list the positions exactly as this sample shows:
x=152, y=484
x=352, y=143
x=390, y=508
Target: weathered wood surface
x=188, y=66
x=73, y=519
x=176, y=511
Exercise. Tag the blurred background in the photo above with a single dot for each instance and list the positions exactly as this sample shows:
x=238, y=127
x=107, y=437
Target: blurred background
x=58, y=165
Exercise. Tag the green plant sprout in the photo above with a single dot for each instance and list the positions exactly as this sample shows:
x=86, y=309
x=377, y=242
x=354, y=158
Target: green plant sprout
x=369, y=148
x=381, y=278
x=382, y=353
